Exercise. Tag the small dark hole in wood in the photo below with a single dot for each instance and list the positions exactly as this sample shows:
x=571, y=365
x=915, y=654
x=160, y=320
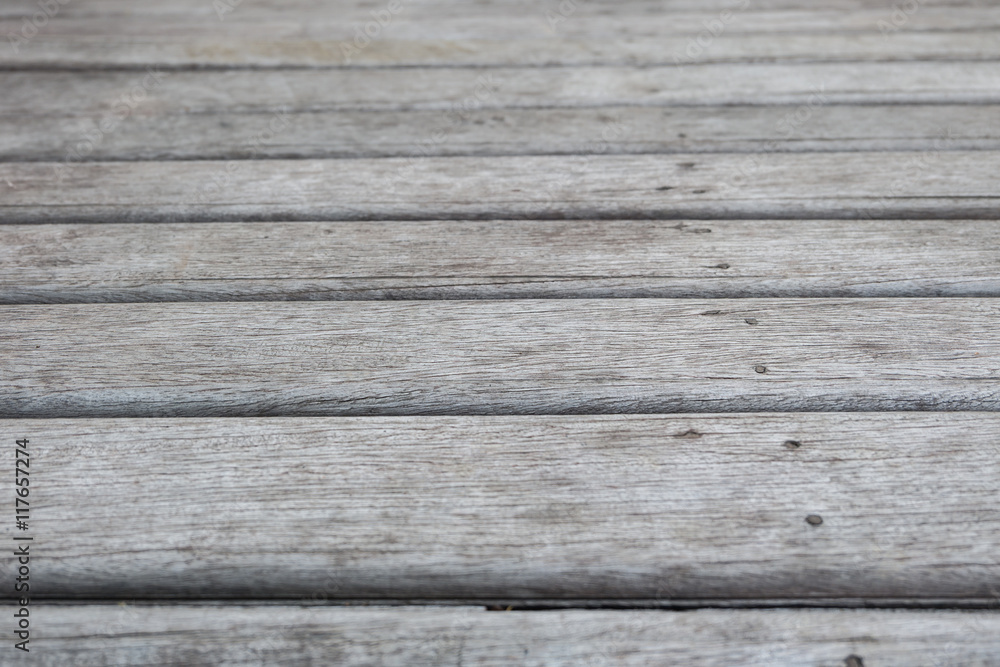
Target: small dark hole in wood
x=792, y=444
x=854, y=661
x=722, y=266
x=814, y=520
x=665, y=187
x=751, y=320
x=690, y=433
x=699, y=192
x=760, y=369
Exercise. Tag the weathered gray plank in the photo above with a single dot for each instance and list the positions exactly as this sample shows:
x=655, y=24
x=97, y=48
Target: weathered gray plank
x=269, y=8
x=435, y=33
x=74, y=49
x=74, y=52
x=496, y=259
x=520, y=356
x=943, y=185
x=311, y=17
x=63, y=93
x=608, y=507
x=245, y=635
x=353, y=134
x=306, y=10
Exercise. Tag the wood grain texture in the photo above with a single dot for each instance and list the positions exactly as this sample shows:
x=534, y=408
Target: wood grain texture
x=306, y=34
x=83, y=46
x=63, y=93
x=222, y=135
x=608, y=507
x=193, y=636
x=421, y=433
x=196, y=11
x=515, y=356
x=943, y=185
x=497, y=259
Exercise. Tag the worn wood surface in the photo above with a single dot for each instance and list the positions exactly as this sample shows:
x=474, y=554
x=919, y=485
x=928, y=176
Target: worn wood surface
x=395, y=89
x=573, y=507
x=65, y=263
x=150, y=135
x=519, y=356
x=85, y=46
x=85, y=35
x=830, y=159
x=947, y=184
x=290, y=635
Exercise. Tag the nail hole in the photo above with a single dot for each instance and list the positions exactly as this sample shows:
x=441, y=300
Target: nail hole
x=722, y=266
x=792, y=444
x=814, y=520
x=665, y=187
x=854, y=661
x=751, y=320
x=699, y=192
x=760, y=369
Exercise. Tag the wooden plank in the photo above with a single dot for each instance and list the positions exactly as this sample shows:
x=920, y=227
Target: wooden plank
x=942, y=185
x=312, y=16
x=190, y=635
x=87, y=35
x=610, y=507
x=68, y=93
x=310, y=9
x=357, y=134
x=72, y=263
x=88, y=45
x=525, y=357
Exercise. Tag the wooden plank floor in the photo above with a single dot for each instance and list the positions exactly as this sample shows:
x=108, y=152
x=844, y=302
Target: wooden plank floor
x=496, y=332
